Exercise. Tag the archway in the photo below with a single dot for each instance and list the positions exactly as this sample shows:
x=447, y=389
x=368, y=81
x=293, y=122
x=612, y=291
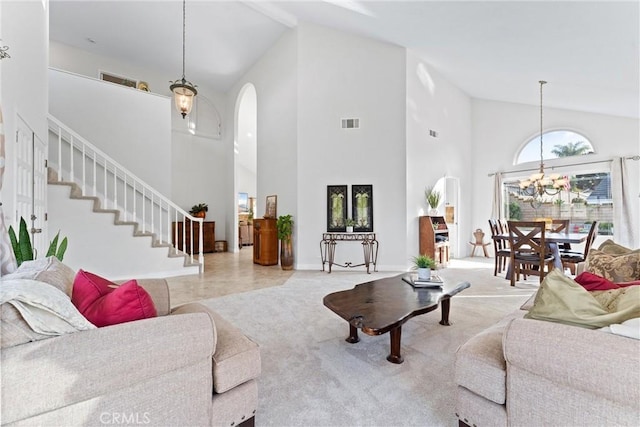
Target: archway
x=245, y=164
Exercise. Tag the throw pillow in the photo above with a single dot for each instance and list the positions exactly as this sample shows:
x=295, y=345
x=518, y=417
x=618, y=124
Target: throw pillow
x=616, y=268
x=560, y=299
x=593, y=282
x=629, y=328
x=612, y=248
x=104, y=303
x=49, y=270
x=31, y=310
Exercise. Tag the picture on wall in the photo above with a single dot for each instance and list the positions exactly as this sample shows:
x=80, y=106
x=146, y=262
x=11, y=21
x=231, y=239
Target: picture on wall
x=336, y=208
x=271, y=210
x=362, y=207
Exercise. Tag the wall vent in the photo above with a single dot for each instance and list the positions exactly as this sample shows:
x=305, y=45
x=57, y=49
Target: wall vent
x=112, y=78
x=350, y=123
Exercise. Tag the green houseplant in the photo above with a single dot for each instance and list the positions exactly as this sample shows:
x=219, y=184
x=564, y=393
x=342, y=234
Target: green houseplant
x=349, y=223
x=433, y=198
x=23, y=250
x=424, y=264
x=21, y=244
x=200, y=210
x=284, y=225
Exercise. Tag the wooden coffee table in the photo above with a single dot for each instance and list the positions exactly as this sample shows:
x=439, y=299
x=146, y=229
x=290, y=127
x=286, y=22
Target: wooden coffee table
x=384, y=305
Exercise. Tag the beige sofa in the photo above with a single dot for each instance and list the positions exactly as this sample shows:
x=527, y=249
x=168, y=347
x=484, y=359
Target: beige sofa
x=525, y=372
x=185, y=367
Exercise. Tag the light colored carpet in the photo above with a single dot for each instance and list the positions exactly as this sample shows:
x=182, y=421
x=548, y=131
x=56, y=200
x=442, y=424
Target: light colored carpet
x=312, y=377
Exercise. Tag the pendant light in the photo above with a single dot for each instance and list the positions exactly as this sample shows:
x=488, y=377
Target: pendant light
x=183, y=90
x=538, y=185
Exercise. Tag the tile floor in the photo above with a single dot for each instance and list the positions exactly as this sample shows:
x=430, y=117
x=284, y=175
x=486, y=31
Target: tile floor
x=225, y=273
x=228, y=273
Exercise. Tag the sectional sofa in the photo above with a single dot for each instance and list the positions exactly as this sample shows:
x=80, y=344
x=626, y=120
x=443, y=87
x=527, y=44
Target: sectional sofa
x=186, y=366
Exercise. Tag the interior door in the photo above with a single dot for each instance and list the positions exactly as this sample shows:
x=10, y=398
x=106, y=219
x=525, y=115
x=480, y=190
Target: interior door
x=31, y=184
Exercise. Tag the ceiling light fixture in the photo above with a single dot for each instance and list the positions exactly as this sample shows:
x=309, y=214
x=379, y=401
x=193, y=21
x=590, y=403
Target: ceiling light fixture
x=538, y=185
x=183, y=90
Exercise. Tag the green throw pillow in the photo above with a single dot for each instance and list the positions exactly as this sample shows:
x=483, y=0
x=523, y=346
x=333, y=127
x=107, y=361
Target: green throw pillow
x=616, y=268
x=560, y=299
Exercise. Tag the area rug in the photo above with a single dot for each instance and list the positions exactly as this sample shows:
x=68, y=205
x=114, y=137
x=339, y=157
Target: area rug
x=312, y=377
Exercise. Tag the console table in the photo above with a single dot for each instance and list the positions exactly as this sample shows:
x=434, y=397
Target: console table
x=369, y=248
x=208, y=235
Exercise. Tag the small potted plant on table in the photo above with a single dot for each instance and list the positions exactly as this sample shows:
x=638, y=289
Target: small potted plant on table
x=433, y=200
x=350, y=223
x=200, y=210
x=424, y=264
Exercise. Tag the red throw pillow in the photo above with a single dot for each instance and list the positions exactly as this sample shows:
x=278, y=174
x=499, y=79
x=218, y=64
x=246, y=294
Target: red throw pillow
x=593, y=282
x=104, y=303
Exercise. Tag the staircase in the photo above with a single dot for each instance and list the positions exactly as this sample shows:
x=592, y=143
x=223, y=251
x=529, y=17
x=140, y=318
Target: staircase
x=106, y=188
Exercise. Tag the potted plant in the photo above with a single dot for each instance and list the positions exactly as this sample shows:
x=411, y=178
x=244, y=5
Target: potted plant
x=433, y=200
x=284, y=224
x=350, y=223
x=23, y=250
x=424, y=264
x=200, y=210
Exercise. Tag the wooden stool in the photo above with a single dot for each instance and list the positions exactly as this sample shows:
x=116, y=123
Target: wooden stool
x=479, y=236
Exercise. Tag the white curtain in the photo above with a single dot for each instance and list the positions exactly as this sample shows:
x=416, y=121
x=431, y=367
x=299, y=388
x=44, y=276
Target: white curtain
x=7, y=260
x=496, y=206
x=624, y=224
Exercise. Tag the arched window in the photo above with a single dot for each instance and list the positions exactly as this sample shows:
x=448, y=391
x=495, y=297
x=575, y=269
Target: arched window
x=556, y=143
x=586, y=198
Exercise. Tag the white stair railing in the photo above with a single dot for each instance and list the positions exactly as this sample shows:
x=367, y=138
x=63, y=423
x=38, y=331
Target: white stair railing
x=78, y=161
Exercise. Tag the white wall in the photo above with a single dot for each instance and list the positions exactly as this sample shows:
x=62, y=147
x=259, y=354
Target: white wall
x=197, y=168
x=346, y=76
x=500, y=129
x=24, y=27
x=130, y=126
x=435, y=104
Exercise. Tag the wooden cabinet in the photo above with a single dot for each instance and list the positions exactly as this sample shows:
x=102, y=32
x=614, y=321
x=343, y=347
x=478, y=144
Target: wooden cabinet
x=265, y=241
x=208, y=235
x=434, y=238
x=246, y=234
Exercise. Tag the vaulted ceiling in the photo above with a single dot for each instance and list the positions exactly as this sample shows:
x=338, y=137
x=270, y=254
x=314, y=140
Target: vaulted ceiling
x=588, y=51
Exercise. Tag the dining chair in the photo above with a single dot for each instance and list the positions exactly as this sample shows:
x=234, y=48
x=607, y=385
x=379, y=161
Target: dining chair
x=500, y=247
x=528, y=250
x=561, y=226
x=570, y=259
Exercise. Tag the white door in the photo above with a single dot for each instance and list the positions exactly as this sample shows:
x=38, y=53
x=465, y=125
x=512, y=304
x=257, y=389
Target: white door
x=31, y=185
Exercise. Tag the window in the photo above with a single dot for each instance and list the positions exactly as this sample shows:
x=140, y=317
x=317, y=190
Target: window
x=586, y=198
x=557, y=143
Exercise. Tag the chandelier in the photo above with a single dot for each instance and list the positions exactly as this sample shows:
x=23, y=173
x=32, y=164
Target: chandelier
x=183, y=90
x=538, y=184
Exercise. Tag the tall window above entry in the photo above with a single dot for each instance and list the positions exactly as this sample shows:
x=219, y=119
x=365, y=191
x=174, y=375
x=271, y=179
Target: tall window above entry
x=557, y=143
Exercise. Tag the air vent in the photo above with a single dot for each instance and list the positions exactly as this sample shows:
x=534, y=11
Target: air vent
x=350, y=123
x=124, y=81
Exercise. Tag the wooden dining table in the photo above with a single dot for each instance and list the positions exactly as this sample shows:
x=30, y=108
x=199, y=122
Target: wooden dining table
x=553, y=241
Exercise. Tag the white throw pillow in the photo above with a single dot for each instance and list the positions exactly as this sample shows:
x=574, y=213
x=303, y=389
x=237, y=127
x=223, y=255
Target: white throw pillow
x=629, y=328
